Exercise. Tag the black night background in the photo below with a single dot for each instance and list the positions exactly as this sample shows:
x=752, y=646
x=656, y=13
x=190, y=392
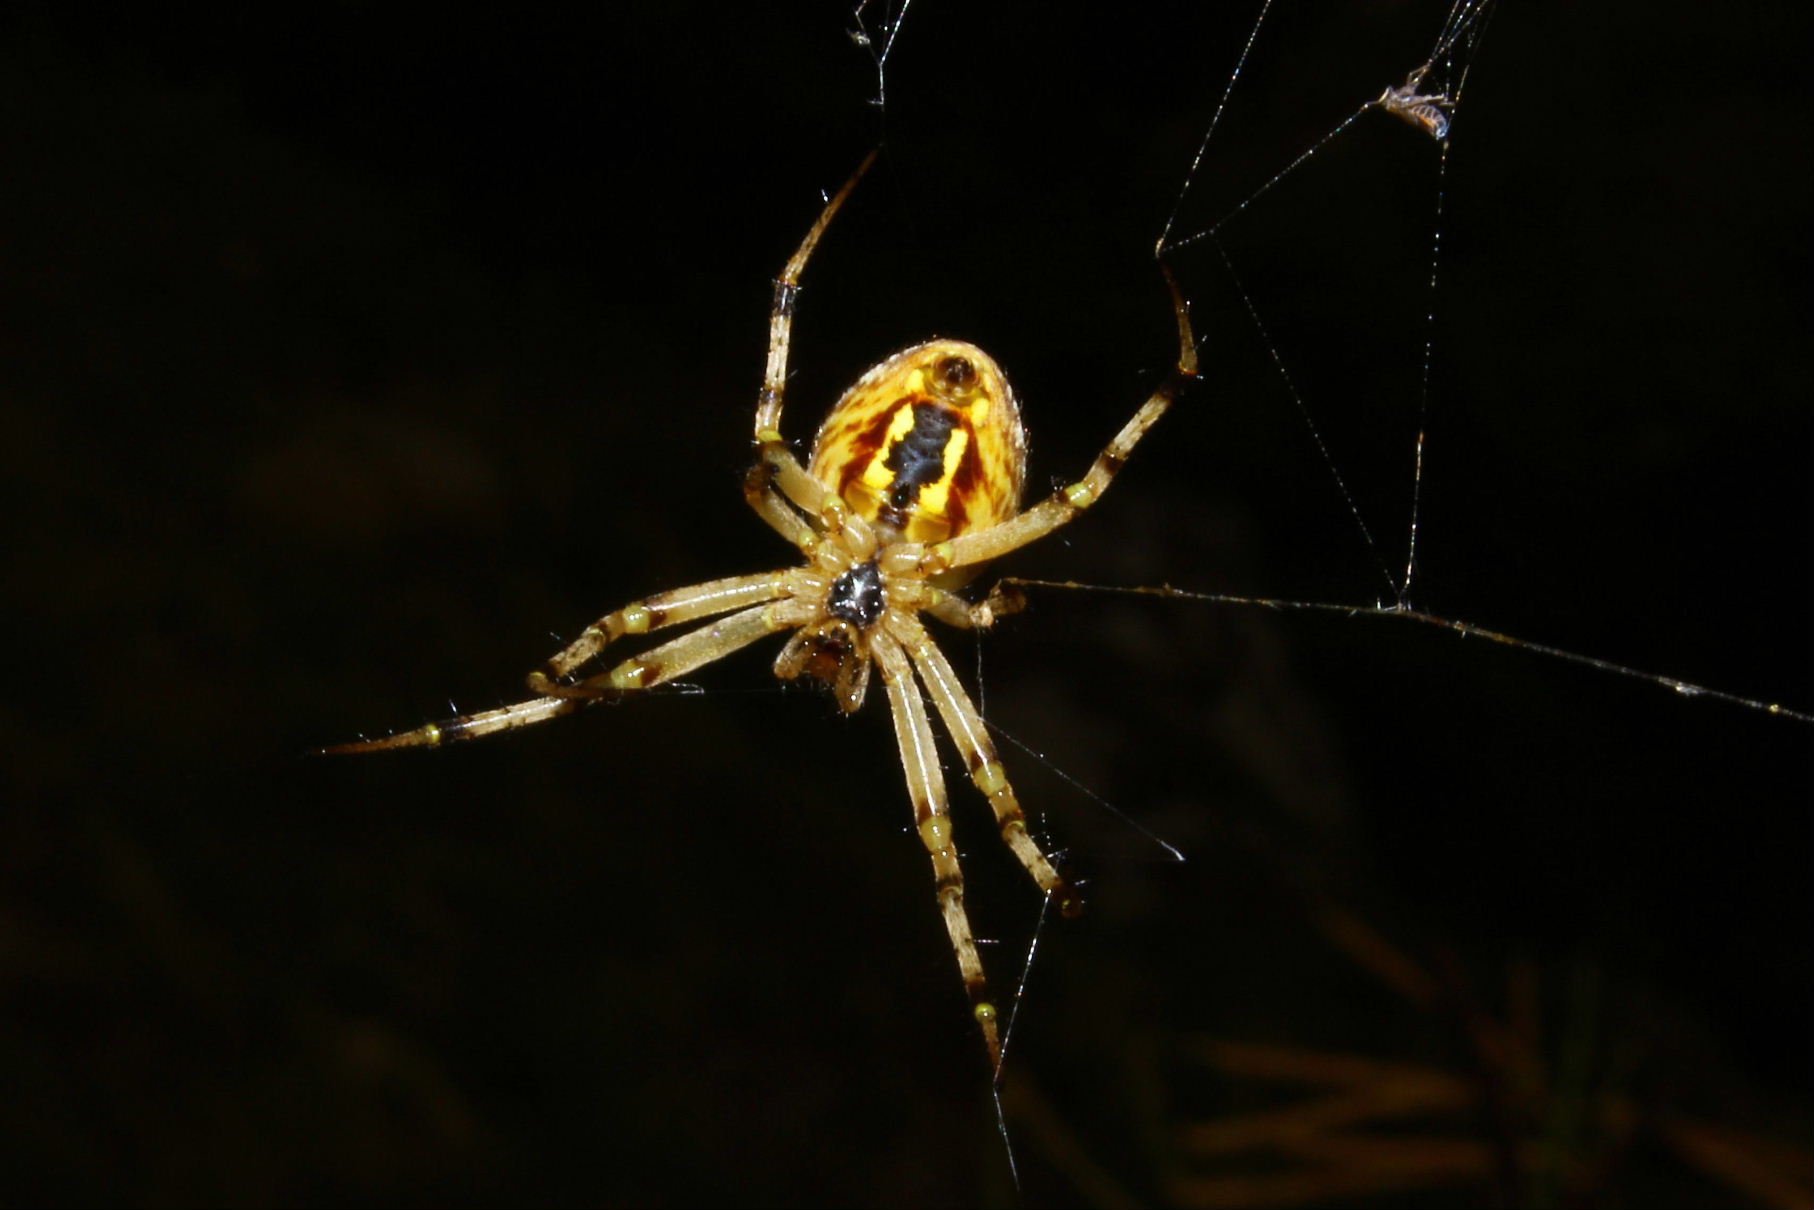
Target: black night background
x=351, y=360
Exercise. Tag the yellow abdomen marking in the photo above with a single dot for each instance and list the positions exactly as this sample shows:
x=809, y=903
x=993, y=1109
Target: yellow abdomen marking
x=927, y=444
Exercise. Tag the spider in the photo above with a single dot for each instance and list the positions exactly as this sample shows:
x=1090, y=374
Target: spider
x=914, y=483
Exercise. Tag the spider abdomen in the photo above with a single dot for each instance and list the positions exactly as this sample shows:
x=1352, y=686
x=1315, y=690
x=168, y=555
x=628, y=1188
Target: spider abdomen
x=926, y=445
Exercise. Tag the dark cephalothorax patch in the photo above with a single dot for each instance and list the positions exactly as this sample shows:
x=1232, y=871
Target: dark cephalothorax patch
x=856, y=596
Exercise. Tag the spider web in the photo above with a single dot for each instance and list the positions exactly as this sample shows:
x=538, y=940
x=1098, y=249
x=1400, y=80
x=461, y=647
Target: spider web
x=1465, y=374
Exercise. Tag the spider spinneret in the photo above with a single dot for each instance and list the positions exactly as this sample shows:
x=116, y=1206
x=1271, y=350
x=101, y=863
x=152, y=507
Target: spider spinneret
x=914, y=483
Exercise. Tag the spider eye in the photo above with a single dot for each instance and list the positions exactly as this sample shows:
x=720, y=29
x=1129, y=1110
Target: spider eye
x=955, y=373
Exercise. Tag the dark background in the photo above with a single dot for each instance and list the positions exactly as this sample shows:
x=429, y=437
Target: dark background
x=352, y=359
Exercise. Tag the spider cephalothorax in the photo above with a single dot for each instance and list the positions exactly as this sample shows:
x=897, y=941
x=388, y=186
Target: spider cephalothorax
x=913, y=484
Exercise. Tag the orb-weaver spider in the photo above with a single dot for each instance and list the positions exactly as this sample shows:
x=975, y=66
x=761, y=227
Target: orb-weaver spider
x=914, y=483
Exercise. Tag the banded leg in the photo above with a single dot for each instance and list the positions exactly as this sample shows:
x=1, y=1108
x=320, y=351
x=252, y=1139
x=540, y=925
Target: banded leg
x=469, y=726
x=671, y=659
x=694, y=649
x=953, y=610
x=781, y=315
x=760, y=495
x=971, y=735
x=926, y=786
x=812, y=497
x=653, y=613
x=784, y=469
x=784, y=472
x=1064, y=506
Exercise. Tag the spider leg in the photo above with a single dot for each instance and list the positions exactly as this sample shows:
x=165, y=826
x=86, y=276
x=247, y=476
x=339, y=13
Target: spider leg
x=809, y=495
x=776, y=462
x=694, y=649
x=468, y=726
x=772, y=610
x=653, y=613
x=1063, y=506
x=926, y=786
x=965, y=723
x=953, y=610
x=759, y=493
x=781, y=315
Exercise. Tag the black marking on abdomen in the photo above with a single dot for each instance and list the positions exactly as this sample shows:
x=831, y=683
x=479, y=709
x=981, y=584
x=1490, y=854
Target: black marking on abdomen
x=919, y=457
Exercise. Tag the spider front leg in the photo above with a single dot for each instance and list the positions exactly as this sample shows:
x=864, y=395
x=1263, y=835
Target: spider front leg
x=681, y=605
x=767, y=605
x=980, y=546
x=467, y=726
x=776, y=465
x=832, y=514
x=679, y=656
x=759, y=493
x=781, y=315
x=926, y=786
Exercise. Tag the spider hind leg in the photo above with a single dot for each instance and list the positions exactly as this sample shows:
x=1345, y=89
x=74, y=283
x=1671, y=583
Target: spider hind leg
x=971, y=735
x=926, y=786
